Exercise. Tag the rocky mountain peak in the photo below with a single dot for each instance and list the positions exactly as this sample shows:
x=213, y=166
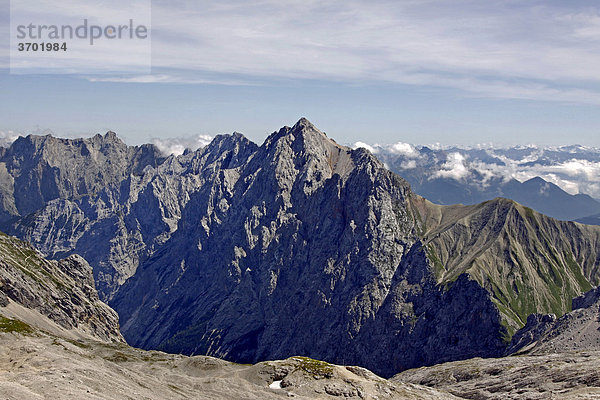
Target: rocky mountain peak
x=110, y=135
x=304, y=124
x=304, y=131
x=308, y=151
x=228, y=142
x=232, y=151
x=227, y=250
x=110, y=138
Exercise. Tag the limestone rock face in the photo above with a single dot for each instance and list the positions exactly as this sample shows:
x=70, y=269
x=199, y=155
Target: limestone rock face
x=63, y=291
x=299, y=246
x=303, y=238
x=312, y=248
x=534, y=329
x=578, y=330
x=128, y=202
x=57, y=188
x=43, y=168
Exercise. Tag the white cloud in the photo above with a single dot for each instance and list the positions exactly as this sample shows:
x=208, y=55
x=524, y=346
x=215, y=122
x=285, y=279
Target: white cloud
x=177, y=145
x=372, y=149
x=405, y=149
x=573, y=176
x=7, y=137
x=536, y=50
x=580, y=168
x=409, y=164
x=575, y=169
x=165, y=78
x=454, y=167
x=544, y=189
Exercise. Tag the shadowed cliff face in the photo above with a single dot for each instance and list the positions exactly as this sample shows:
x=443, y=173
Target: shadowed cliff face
x=303, y=239
x=302, y=246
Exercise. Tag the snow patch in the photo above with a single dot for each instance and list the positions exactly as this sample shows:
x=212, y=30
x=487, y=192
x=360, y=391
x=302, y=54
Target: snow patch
x=275, y=385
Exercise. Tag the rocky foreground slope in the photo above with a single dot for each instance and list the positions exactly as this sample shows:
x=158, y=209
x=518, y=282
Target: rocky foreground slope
x=550, y=376
x=40, y=367
x=557, y=358
x=297, y=246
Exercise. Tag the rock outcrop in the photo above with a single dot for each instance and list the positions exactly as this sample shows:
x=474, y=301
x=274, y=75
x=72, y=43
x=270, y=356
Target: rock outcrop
x=555, y=358
x=63, y=291
x=35, y=366
x=565, y=375
x=578, y=330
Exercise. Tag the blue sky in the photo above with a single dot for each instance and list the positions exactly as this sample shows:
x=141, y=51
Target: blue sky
x=426, y=71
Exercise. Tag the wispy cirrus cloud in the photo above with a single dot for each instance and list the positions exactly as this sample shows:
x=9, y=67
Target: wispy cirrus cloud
x=535, y=50
x=169, y=78
x=539, y=50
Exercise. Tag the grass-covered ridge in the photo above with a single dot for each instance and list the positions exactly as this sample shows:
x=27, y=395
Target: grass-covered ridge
x=529, y=263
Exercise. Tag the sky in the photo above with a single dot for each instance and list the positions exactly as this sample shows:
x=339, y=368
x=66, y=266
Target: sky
x=418, y=71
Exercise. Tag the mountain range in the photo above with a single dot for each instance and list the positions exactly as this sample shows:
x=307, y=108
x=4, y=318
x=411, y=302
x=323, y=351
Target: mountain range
x=297, y=246
x=535, y=177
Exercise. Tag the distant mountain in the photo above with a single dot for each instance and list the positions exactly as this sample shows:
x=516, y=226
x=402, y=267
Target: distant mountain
x=526, y=175
x=297, y=246
x=35, y=170
x=590, y=220
x=57, y=188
